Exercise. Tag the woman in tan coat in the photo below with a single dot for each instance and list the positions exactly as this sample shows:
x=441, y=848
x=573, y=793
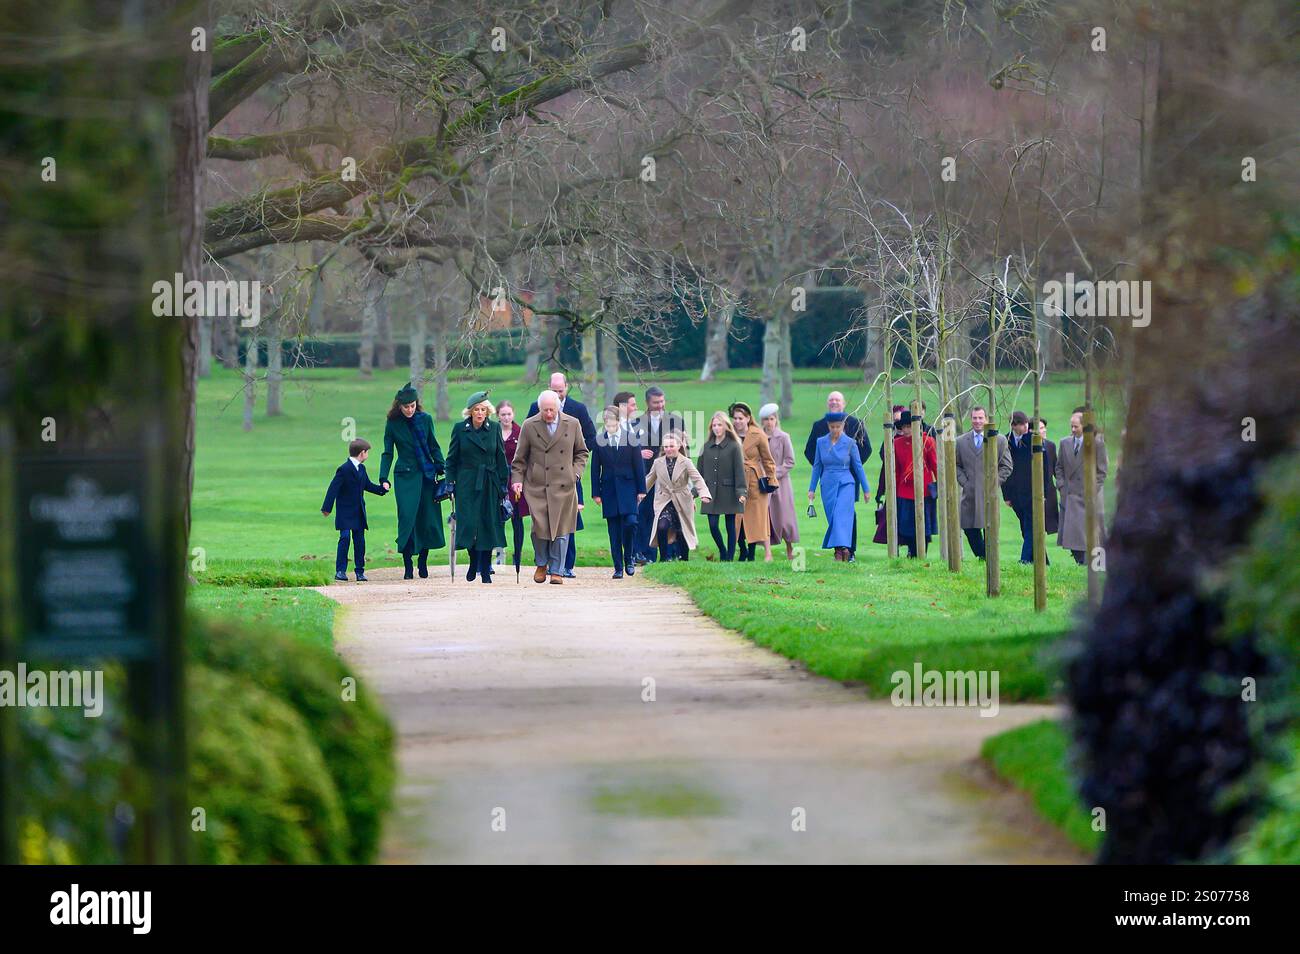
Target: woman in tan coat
x=755, y=526
x=672, y=479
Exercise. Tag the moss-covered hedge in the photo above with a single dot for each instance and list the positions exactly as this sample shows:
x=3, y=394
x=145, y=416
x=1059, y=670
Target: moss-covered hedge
x=338, y=729
x=1265, y=600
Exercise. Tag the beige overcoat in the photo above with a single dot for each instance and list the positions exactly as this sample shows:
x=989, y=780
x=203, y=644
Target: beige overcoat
x=1069, y=477
x=676, y=492
x=758, y=463
x=550, y=468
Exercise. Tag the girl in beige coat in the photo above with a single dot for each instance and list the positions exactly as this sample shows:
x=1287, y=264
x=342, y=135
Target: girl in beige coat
x=755, y=528
x=672, y=478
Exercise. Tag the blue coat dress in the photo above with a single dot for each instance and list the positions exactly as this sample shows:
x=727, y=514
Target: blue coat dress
x=617, y=475
x=838, y=467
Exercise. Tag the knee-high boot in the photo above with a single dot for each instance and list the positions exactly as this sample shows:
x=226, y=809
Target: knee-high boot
x=424, y=564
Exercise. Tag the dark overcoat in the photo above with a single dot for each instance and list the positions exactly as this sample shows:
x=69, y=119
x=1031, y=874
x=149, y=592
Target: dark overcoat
x=419, y=516
x=617, y=474
x=476, y=465
x=1018, y=490
x=347, y=496
x=723, y=468
x=853, y=428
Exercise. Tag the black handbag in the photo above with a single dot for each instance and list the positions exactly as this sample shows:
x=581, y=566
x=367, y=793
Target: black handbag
x=765, y=486
x=507, y=509
x=443, y=489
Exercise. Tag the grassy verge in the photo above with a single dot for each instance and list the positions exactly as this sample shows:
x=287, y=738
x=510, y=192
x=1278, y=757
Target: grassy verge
x=1035, y=759
x=300, y=613
x=865, y=621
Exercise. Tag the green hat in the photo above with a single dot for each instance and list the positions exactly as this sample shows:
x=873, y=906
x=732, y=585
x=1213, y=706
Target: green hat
x=478, y=397
x=743, y=406
x=407, y=394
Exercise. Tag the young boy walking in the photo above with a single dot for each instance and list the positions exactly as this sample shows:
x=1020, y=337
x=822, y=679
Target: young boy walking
x=348, y=487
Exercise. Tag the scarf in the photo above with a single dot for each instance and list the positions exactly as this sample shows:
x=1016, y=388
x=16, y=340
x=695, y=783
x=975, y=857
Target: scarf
x=422, y=448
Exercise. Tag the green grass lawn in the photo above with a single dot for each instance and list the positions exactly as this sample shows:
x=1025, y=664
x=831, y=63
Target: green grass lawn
x=863, y=622
x=1035, y=759
x=302, y=613
x=257, y=494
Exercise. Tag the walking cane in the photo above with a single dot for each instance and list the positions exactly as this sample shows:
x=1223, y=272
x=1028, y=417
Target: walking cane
x=451, y=524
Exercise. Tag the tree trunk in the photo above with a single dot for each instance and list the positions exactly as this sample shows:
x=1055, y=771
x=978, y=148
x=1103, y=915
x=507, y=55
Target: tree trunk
x=384, y=350
x=204, y=360
x=1156, y=677
x=590, y=371
x=787, y=369
x=609, y=359
x=373, y=290
x=441, y=363
x=770, y=388
x=227, y=335
x=716, y=339
x=419, y=359
x=274, y=372
x=250, y=381
x=539, y=342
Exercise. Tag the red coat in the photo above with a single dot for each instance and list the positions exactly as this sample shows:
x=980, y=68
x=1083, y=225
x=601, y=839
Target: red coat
x=511, y=441
x=903, y=464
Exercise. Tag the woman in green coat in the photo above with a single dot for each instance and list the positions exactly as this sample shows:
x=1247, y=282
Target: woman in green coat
x=419, y=464
x=476, y=465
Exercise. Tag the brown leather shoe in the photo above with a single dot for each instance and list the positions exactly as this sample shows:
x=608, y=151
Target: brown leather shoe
x=539, y=575
x=556, y=578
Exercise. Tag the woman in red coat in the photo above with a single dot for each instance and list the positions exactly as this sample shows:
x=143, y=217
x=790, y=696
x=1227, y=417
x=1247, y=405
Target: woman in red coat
x=906, y=489
x=510, y=437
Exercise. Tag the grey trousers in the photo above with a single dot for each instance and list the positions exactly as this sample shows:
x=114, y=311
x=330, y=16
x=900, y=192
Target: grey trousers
x=550, y=554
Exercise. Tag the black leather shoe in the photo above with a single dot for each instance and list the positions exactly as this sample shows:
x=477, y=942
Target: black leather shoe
x=361, y=578
x=343, y=577
x=630, y=570
x=618, y=574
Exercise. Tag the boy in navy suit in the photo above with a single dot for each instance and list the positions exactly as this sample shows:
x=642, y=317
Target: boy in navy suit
x=348, y=487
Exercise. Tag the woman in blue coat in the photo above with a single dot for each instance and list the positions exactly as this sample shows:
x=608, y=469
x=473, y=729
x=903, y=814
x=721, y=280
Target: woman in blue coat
x=618, y=485
x=838, y=467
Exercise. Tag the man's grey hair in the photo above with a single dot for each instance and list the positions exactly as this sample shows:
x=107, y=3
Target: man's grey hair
x=548, y=395
x=653, y=391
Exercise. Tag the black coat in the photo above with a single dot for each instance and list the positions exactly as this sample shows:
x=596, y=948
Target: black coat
x=852, y=427
x=1018, y=490
x=348, y=489
x=642, y=435
x=617, y=475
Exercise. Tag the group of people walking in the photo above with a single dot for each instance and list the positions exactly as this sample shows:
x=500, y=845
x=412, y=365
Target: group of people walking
x=499, y=471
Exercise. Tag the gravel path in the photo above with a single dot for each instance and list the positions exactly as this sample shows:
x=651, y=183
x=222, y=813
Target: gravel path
x=524, y=737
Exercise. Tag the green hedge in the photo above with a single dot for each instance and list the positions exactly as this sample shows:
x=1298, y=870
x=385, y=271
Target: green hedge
x=258, y=775
x=1265, y=599
x=353, y=738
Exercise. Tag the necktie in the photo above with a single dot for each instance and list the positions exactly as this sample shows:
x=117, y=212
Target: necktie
x=979, y=441
x=1077, y=442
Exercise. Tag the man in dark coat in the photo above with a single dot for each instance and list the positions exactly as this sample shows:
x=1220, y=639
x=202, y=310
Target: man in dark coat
x=854, y=429
x=573, y=408
x=1052, y=511
x=1018, y=490
x=618, y=487
x=648, y=432
x=348, y=490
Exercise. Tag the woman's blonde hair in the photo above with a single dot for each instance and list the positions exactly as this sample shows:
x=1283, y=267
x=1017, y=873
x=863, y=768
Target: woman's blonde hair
x=726, y=421
x=679, y=437
x=465, y=412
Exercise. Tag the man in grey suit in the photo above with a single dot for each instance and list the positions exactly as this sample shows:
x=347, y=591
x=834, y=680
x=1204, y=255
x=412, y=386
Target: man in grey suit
x=970, y=477
x=1069, y=477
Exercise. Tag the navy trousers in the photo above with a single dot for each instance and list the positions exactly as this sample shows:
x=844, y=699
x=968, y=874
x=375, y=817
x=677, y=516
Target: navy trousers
x=975, y=537
x=645, y=516
x=1026, y=517
x=622, y=531
x=358, y=550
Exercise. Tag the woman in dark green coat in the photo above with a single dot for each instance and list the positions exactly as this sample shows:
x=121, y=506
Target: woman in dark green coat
x=419, y=464
x=476, y=465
